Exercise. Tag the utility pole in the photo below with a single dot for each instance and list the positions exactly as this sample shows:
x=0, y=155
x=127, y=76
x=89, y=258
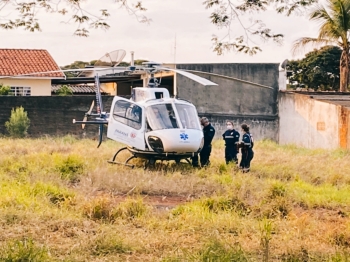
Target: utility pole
x=175, y=89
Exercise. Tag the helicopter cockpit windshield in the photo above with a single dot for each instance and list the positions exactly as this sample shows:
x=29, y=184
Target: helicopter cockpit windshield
x=161, y=116
x=188, y=116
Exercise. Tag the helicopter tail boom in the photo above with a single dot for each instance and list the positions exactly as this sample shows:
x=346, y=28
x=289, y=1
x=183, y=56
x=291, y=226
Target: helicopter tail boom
x=97, y=122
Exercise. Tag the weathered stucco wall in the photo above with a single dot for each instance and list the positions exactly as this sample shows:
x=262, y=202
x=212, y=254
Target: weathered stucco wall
x=308, y=122
x=242, y=95
x=38, y=87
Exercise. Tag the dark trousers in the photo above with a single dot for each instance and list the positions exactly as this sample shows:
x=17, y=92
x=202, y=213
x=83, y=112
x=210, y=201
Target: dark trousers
x=231, y=155
x=204, y=157
x=247, y=156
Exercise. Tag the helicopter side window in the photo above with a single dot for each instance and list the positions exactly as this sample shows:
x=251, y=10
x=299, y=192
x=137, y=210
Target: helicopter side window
x=161, y=116
x=128, y=113
x=188, y=116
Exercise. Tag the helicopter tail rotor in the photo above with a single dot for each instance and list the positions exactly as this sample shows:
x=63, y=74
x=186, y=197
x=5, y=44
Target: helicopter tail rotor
x=101, y=117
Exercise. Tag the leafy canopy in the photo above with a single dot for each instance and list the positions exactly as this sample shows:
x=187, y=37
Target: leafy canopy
x=319, y=69
x=226, y=14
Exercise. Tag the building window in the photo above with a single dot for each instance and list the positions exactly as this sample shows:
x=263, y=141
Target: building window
x=20, y=91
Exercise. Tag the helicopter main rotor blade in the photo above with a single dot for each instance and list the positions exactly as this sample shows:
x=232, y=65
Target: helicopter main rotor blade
x=88, y=113
x=194, y=77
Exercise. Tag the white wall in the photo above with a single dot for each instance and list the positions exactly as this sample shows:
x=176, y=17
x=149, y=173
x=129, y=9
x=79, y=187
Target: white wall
x=39, y=87
x=282, y=80
x=308, y=122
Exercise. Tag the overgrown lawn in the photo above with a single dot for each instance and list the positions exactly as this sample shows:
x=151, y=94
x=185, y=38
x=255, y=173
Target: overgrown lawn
x=61, y=201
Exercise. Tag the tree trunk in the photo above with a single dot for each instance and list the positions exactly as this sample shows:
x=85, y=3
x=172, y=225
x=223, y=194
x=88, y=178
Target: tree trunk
x=344, y=70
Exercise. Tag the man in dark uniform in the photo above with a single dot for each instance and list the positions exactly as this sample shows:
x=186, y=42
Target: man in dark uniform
x=231, y=137
x=208, y=132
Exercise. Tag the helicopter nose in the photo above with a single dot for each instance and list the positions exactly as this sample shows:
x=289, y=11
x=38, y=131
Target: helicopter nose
x=175, y=140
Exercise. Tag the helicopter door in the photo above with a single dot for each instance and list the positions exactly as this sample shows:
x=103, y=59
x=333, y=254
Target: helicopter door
x=126, y=123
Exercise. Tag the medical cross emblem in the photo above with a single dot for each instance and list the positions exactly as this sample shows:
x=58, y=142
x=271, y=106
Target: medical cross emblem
x=184, y=136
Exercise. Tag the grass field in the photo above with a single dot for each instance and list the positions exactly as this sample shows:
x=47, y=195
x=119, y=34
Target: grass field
x=61, y=201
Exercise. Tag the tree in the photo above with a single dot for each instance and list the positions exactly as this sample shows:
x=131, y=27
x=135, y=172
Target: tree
x=64, y=91
x=224, y=14
x=318, y=70
x=4, y=90
x=18, y=123
x=335, y=24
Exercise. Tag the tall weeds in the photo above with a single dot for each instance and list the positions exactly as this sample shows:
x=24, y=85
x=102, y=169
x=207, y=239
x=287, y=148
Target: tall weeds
x=61, y=201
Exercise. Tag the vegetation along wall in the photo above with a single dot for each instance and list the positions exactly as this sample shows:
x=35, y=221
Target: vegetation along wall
x=52, y=115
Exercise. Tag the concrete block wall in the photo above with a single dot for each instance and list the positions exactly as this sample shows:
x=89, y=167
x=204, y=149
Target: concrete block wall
x=242, y=96
x=52, y=115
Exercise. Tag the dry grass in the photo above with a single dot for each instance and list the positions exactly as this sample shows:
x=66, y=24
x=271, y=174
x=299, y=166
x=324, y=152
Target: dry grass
x=61, y=201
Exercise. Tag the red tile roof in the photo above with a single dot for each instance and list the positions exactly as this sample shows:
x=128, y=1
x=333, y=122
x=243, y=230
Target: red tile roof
x=24, y=61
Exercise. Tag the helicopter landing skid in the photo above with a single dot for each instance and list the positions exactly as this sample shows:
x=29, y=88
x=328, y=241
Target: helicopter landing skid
x=120, y=163
x=149, y=157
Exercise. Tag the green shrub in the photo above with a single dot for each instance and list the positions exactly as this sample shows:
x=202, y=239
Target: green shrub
x=18, y=123
x=99, y=209
x=23, y=250
x=4, y=90
x=130, y=209
x=70, y=168
x=64, y=91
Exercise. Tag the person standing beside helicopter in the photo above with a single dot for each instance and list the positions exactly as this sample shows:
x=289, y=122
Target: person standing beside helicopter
x=209, y=133
x=247, y=145
x=231, y=137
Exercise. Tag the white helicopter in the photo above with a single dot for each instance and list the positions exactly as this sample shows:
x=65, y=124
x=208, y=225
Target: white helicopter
x=153, y=125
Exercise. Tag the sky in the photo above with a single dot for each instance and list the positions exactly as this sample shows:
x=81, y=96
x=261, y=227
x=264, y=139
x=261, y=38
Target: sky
x=180, y=32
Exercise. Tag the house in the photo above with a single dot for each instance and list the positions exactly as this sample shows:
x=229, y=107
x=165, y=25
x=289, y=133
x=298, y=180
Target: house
x=16, y=66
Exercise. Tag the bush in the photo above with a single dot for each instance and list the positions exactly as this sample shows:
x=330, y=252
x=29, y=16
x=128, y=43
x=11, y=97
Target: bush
x=70, y=168
x=4, y=90
x=18, y=123
x=64, y=91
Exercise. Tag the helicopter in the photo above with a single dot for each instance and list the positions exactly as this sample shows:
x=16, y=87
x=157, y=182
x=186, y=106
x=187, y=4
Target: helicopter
x=151, y=124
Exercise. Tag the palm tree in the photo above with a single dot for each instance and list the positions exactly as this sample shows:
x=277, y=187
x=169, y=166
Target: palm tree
x=335, y=24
